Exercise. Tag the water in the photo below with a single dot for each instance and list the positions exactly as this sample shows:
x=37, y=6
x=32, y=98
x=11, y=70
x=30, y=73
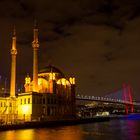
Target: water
x=110, y=130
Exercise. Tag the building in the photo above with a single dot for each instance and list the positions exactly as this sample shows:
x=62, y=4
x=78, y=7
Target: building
x=49, y=96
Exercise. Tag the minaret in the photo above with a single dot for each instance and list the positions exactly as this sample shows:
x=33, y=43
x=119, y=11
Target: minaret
x=13, y=65
x=35, y=45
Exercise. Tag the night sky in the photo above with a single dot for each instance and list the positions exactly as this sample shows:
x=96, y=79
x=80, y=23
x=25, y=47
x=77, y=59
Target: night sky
x=97, y=41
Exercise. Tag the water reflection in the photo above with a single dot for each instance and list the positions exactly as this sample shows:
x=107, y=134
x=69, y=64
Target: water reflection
x=20, y=135
x=111, y=130
x=133, y=129
x=59, y=133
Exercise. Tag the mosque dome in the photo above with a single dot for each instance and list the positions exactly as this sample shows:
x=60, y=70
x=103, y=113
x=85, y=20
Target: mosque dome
x=51, y=69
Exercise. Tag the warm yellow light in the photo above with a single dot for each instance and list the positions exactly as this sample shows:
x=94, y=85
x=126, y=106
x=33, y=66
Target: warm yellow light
x=43, y=85
x=59, y=82
x=72, y=80
x=67, y=82
x=52, y=76
x=27, y=80
x=63, y=81
x=39, y=81
x=26, y=109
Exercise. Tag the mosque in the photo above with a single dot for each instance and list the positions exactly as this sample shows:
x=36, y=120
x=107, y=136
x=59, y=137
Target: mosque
x=49, y=96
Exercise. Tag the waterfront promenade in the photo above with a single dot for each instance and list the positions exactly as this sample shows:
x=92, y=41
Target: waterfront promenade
x=42, y=124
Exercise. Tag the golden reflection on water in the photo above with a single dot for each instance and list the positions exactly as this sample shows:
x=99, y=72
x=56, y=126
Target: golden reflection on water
x=114, y=129
x=60, y=133
x=57, y=133
x=27, y=134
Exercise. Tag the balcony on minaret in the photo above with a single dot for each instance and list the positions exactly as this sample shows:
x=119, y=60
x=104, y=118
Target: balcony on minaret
x=35, y=43
x=13, y=51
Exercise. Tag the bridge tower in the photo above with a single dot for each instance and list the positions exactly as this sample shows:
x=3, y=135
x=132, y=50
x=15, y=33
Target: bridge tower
x=130, y=91
x=127, y=93
x=125, y=96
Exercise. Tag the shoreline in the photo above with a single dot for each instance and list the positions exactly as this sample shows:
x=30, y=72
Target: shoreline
x=43, y=124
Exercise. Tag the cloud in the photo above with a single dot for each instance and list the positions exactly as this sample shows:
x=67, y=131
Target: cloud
x=97, y=41
x=85, y=53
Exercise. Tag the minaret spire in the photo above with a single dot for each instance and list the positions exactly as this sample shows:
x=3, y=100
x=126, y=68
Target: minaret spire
x=35, y=45
x=13, y=65
x=14, y=31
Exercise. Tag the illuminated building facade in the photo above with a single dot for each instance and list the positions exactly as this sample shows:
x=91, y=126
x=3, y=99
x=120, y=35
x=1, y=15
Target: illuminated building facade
x=54, y=100
x=49, y=96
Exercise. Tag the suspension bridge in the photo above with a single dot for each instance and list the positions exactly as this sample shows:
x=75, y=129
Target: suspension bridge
x=122, y=96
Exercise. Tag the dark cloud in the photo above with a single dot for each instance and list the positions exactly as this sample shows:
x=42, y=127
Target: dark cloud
x=95, y=40
x=109, y=57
